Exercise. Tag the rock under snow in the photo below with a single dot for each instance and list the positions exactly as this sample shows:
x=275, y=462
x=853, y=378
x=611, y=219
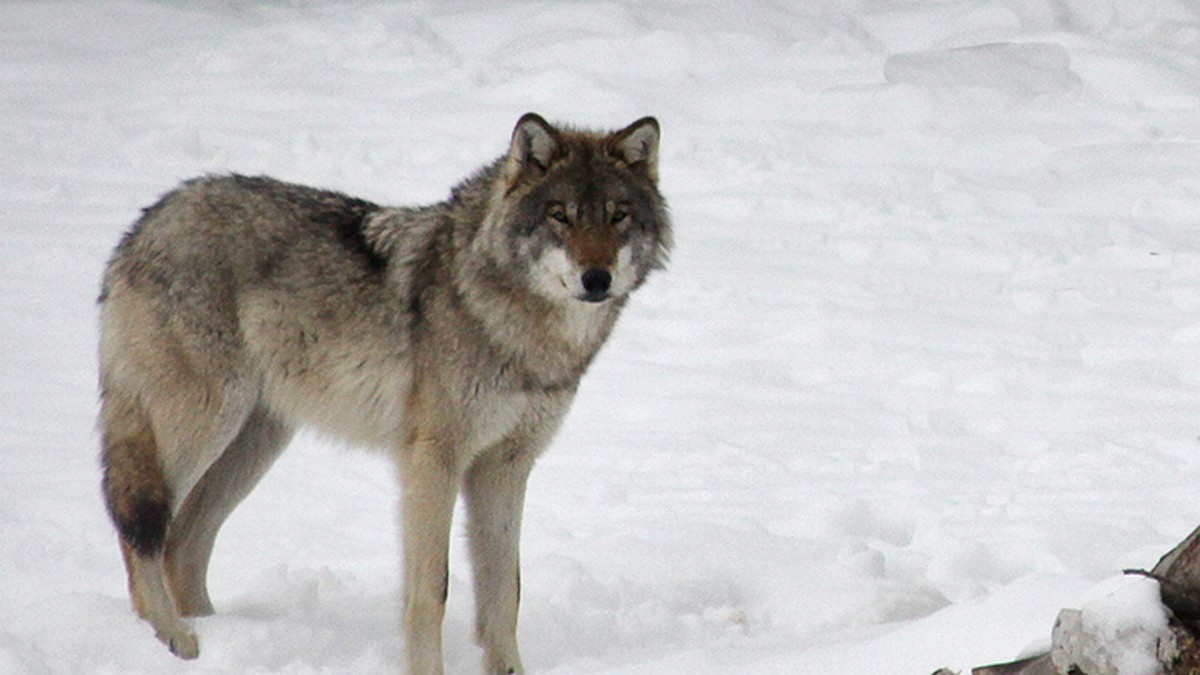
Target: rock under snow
x=1120, y=629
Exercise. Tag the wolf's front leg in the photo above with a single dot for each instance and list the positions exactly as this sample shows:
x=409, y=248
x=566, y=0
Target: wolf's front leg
x=429, y=486
x=495, y=493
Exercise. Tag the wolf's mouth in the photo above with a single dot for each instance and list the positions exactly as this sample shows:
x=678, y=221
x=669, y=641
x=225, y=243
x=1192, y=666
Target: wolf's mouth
x=595, y=296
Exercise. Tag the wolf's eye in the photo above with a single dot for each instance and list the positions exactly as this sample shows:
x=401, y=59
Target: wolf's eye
x=558, y=214
x=619, y=216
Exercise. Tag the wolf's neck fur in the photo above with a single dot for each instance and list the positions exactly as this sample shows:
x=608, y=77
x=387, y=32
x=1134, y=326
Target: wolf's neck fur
x=553, y=343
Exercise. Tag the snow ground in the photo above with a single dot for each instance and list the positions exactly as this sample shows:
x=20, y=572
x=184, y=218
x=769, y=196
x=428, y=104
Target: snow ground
x=924, y=368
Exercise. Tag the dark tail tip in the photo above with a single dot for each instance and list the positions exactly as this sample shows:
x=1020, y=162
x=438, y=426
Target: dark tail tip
x=136, y=494
x=143, y=526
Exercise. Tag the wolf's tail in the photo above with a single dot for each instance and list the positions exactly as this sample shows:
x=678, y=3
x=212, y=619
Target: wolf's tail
x=135, y=487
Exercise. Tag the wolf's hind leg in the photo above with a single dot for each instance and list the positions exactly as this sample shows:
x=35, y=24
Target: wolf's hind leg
x=224, y=485
x=152, y=602
x=139, y=502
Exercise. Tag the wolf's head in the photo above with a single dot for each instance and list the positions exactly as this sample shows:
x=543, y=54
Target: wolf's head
x=579, y=212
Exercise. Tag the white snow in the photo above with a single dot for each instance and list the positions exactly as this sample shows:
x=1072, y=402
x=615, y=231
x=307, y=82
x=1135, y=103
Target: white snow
x=923, y=369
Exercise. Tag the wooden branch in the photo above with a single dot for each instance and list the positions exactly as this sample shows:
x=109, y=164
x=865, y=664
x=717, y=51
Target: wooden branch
x=1183, y=601
x=1034, y=665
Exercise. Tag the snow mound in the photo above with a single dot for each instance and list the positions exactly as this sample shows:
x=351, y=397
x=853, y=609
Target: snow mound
x=1020, y=70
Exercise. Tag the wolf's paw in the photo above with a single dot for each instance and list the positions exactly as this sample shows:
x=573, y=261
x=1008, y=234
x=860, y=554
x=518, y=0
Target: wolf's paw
x=504, y=667
x=184, y=645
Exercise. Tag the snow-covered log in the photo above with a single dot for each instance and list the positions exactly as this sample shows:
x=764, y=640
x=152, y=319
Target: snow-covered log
x=1142, y=623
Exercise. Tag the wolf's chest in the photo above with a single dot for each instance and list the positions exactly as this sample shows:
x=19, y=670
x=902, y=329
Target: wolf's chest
x=490, y=417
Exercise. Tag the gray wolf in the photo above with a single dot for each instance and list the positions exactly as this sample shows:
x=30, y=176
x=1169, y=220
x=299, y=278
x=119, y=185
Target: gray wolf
x=453, y=335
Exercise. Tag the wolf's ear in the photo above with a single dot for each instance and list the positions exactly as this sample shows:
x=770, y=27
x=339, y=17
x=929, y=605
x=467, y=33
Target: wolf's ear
x=637, y=146
x=534, y=144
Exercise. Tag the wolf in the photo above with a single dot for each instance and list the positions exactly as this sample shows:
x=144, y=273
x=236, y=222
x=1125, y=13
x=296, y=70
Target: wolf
x=454, y=336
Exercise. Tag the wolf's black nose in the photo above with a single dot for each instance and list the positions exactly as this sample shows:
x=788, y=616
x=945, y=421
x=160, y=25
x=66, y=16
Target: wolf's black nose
x=596, y=283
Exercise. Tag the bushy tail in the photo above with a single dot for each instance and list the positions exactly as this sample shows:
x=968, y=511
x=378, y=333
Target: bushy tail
x=135, y=487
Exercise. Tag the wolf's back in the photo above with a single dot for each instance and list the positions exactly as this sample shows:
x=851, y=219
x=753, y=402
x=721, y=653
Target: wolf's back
x=245, y=227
